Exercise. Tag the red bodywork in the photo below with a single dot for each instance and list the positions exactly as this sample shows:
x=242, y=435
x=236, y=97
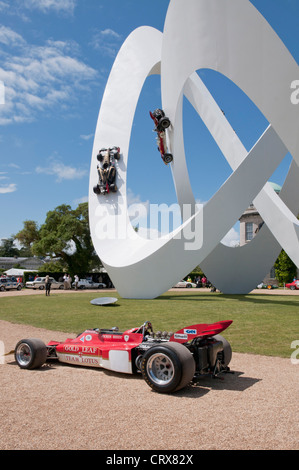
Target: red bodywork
x=114, y=350
x=160, y=138
x=293, y=285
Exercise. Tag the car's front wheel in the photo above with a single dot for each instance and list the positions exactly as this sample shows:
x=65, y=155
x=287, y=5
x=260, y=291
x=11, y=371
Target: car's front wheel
x=30, y=353
x=168, y=368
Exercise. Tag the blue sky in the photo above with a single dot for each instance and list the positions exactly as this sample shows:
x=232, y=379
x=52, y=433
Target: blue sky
x=55, y=58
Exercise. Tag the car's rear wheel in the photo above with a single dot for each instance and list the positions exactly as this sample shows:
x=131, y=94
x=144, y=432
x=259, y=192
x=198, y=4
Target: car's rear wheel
x=164, y=123
x=2, y=289
x=30, y=353
x=227, y=350
x=41, y=287
x=168, y=368
x=168, y=157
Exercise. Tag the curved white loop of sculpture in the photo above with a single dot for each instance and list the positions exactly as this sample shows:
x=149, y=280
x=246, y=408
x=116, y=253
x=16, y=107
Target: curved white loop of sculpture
x=217, y=35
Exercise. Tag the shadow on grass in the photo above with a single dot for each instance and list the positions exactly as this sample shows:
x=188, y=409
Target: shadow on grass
x=256, y=299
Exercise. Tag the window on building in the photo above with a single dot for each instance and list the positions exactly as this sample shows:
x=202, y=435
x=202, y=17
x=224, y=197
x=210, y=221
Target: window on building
x=248, y=231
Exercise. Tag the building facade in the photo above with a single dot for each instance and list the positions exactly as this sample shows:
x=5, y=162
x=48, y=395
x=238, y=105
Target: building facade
x=33, y=263
x=250, y=223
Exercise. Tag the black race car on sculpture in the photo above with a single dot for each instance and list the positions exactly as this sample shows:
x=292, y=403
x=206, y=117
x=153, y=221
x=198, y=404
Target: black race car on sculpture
x=107, y=170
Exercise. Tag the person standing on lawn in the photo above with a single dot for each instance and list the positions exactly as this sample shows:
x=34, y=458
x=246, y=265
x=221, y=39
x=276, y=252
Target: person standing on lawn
x=48, y=284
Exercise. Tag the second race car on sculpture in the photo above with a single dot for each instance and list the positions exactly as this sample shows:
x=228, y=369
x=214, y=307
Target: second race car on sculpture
x=161, y=123
x=167, y=361
x=107, y=170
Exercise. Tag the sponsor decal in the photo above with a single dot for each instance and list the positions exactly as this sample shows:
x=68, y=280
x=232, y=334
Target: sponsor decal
x=88, y=337
x=180, y=336
x=79, y=349
x=190, y=331
x=126, y=338
x=89, y=361
x=71, y=348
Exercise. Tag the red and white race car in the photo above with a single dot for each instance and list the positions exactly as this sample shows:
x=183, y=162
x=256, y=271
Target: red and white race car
x=161, y=124
x=167, y=361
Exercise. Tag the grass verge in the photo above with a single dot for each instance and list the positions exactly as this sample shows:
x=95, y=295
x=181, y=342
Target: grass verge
x=262, y=324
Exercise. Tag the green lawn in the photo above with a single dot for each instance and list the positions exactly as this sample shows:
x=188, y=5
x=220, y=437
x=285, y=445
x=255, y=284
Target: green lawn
x=262, y=324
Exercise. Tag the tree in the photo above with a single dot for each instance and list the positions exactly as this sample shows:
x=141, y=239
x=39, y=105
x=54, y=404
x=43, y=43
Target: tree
x=285, y=269
x=65, y=235
x=28, y=235
x=7, y=248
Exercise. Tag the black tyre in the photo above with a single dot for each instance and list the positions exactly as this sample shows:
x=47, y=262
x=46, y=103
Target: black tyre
x=164, y=123
x=41, y=287
x=19, y=288
x=30, y=353
x=2, y=289
x=227, y=350
x=168, y=368
x=96, y=189
x=168, y=157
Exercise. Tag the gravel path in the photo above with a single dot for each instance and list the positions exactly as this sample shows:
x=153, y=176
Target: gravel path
x=62, y=407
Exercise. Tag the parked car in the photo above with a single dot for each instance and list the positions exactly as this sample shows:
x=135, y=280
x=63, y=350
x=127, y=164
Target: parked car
x=39, y=283
x=88, y=284
x=267, y=286
x=185, y=284
x=293, y=285
x=8, y=284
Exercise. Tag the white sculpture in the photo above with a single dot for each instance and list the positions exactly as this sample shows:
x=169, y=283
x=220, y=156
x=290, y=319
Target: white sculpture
x=215, y=34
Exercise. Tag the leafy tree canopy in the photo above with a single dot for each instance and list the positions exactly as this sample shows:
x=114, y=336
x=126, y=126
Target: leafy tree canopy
x=28, y=235
x=65, y=234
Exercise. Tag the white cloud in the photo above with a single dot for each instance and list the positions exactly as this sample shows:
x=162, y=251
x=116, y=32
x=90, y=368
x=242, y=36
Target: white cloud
x=61, y=171
x=86, y=137
x=10, y=188
x=45, y=6
x=232, y=238
x=111, y=33
x=40, y=78
x=10, y=37
x=106, y=41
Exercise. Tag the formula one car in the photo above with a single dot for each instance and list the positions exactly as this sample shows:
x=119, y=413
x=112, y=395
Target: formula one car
x=167, y=361
x=107, y=170
x=161, y=123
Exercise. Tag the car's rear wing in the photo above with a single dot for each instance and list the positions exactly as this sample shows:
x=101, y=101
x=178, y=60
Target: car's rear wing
x=204, y=329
